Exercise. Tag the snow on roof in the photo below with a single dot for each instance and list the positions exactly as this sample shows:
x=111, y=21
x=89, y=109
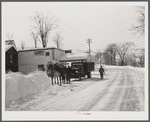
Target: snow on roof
x=10, y=42
x=74, y=57
x=33, y=49
x=7, y=47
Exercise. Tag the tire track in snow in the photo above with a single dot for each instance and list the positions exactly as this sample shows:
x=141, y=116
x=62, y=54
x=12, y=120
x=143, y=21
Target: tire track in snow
x=28, y=106
x=54, y=105
x=133, y=96
x=45, y=106
x=139, y=83
x=98, y=96
x=116, y=99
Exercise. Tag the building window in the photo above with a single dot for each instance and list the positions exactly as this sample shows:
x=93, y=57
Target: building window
x=11, y=58
x=47, y=53
x=41, y=67
x=39, y=53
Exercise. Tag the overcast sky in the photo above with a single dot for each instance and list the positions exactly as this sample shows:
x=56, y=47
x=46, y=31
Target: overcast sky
x=104, y=23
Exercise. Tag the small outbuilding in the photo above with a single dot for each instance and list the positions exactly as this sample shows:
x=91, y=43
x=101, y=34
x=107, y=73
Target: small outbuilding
x=11, y=58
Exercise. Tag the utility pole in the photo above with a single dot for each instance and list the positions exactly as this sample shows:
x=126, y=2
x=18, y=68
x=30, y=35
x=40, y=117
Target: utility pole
x=89, y=41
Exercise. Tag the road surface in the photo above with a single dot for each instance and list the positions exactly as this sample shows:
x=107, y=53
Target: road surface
x=121, y=90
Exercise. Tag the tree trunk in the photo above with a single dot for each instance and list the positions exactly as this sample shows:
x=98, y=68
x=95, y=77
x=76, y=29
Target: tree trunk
x=111, y=60
x=114, y=59
x=35, y=44
x=122, y=62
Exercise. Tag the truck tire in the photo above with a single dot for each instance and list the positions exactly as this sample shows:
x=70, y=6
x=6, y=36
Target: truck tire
x=89, y=74
x=79, y=77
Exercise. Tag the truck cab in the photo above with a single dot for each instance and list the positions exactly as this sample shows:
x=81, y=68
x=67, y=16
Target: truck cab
x=80, y=69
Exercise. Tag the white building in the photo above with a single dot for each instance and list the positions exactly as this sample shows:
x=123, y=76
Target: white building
x=77, y=56
x=31, y=60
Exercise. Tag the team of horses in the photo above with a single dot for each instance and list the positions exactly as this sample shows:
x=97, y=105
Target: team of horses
x=58, y=73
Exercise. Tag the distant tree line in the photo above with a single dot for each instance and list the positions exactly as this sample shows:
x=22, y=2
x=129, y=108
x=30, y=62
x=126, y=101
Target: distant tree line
x=119, y=54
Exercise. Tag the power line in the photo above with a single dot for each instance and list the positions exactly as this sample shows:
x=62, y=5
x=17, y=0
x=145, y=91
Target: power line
x=12, y=8
x=89, y=41
x=27, y=13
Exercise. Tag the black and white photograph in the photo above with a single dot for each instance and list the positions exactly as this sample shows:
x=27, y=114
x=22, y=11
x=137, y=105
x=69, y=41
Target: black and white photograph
x=74, y=60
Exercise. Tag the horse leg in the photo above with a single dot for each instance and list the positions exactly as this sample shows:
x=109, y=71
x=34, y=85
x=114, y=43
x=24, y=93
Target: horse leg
x=60, y=80
x=52, y=80
x=57, y=80
x=69, y=79
x=65, y=78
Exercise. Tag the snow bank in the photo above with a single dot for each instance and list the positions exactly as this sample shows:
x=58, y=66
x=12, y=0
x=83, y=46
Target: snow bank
x=113, y=66
x=141, y=69
x=19, y=86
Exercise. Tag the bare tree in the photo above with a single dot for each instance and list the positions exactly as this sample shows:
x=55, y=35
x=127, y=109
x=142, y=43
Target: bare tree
x=9, y=36
x=130, y=59
x=58, y=40
x=43, y=25
x=111, y=51
x=97, y=56
x=141, y=56
x=107, y=58
x=139, y=28
x=22, y=45
x=35, y=38
x=122, y=50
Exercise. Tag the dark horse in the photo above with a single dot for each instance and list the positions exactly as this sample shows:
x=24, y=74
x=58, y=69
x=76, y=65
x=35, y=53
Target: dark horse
x=56, y=71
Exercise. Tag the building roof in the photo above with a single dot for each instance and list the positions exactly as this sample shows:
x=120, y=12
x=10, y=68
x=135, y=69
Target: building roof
x=10, y=42
x=7, y=47
x=34, y=49
x=74, y=57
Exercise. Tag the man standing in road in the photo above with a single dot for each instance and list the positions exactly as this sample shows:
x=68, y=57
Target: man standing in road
x=101, y=71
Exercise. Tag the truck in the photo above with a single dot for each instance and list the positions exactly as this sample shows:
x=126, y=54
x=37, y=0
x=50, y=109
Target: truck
x=81, y=69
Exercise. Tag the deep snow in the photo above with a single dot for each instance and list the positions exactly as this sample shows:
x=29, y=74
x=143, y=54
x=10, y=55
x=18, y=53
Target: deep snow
x=19, y=86
x=37, y=86
x=141, y=69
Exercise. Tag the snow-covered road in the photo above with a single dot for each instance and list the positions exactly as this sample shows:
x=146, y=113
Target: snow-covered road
x=121, y=90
